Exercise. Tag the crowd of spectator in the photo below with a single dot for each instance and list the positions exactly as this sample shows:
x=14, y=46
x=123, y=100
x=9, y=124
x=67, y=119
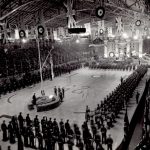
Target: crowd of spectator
x=112, y=66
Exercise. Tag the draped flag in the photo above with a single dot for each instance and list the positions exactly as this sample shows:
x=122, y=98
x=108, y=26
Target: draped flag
x=119, y=25
x=31, y=32
x=88, y=28
x=60, y=32
x=132, y=27
x=50, y=33
x=94, y=32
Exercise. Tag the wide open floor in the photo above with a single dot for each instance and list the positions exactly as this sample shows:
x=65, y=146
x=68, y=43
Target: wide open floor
x=83, y=87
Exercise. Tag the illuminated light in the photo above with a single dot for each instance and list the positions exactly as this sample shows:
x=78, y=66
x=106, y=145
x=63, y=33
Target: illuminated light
x=148, y=37
x=124, y=35
x=140, y=55
x=135, y=37
x=51, y=96
x=112, y=35
x=128, y=55
x=24, y=41
x=16, y=34
x=117, y=55
x=77, y=41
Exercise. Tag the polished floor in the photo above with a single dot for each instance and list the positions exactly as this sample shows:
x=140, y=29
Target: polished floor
x=82, y=87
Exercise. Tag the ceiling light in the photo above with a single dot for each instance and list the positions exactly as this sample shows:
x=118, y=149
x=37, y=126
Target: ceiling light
x=77, y=41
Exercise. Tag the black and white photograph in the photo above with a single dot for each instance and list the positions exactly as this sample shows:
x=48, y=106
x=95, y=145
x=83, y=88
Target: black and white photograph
x=75, y=74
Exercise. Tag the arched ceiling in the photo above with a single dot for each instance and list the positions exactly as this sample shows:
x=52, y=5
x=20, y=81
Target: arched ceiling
x=55, y=12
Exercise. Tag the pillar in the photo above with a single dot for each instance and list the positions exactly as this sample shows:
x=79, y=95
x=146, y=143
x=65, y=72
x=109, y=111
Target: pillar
x=140, y=47
x=105, y=49
x=128, y=48
x=116, y=48
x=51, y=62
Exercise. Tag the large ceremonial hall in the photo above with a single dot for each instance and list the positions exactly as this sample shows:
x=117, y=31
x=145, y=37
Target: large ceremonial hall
x=74, y=74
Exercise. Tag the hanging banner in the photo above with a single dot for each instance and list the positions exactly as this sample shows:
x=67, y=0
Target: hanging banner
x=40, y=24
x=132, y=27
x=109, y=31
x=61, y=32
x=119, y=25
x=31, y=32
x=88, y=28
x=55, y=35
x=50, y=33
x=101, y=27
x=94, y=33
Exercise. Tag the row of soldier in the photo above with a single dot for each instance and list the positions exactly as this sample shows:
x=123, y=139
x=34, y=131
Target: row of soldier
x=46, y=133
x=29, y=78
x=112, y=66
x=110, y=108
x=104, y=116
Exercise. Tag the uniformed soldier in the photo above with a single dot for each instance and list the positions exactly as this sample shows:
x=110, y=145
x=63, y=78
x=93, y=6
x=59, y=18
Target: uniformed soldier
x=70, y=143
x=9, y=148
x=21, y=121
x=34, y=99
x=11, y=133
x=98, y=140
x=61, y=142
x=87, y=113
x=4, y=129
x=28, y=120
x=31, y=139
x=20, y=142
x=63, y=92
x=26, y=135
x=109, y=142
x=60, y=96
x=40, y=140
x=80, y=145
x=104, y=133
x=67, y=127
x=55, y=90
x=137, y=97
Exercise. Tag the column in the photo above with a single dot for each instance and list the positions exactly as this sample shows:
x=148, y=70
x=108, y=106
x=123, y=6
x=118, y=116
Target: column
x=128, y=48
x=105, y=49
x=116, y=48
x=51, y=62
x=140, y=47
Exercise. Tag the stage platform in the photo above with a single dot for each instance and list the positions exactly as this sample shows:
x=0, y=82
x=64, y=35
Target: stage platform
x=82, y=87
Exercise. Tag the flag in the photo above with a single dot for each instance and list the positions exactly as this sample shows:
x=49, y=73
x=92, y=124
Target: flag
x=119, y=25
